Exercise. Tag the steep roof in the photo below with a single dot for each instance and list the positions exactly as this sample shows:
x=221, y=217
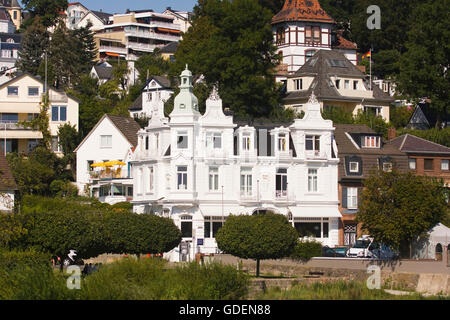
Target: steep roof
x=102, y=15
x=411, y=144
x=7, y=181
x=127, y=126
x=329, y=63
x=342, y=43
x=345, y=135
x=170, y=48
x=103, y=72
x=302, y=10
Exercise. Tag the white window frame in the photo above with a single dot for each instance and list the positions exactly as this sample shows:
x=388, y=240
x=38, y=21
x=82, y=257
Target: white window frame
x=106, y=141
x=445, y=167
x=352, y=198
x=183, y=133
x=315, y=139
x=246, y=141
x=313, y=180
x=213, y=178
x=214, y=140
x=374, y=142
x=183, y=175
x=246, y=182
x=298, y=84
x=282, y=142
x=350, y=166
x=412, y=161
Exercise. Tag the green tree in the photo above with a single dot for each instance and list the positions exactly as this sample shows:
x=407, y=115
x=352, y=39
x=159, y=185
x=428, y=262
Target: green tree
x=11, y=229
x=262, y=236
x=152, y=64
x=400, y=116
x=48, y=11
x=396, y=208
x=84, y=44
x=140, y=234
x=424, y=66
x=231, y=43
x=35, y=41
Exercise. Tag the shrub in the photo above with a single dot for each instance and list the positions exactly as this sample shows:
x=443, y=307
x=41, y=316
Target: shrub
x=306, y=249
x=153, y=279
x=27, y=275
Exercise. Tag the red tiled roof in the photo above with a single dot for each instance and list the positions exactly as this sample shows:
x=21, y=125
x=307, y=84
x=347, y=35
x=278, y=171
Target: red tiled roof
x=302, y=10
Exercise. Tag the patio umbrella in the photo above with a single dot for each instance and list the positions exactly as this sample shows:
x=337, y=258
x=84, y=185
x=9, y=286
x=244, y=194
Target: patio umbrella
x=115, y=163
x=99, y=164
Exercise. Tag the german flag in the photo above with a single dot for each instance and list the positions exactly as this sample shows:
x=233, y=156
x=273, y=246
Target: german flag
x=367, y=54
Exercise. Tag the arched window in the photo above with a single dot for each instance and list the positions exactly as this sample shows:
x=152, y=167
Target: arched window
x=438, y=251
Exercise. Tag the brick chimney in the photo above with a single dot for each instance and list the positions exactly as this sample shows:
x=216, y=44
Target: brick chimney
x=391, y=133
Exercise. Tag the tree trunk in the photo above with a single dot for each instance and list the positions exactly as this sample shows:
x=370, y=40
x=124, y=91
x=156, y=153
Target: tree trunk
x=257, y=267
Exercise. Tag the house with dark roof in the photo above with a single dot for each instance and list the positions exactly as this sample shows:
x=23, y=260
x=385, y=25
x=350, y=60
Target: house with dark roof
x=337, y=83
x=102, y=72
x=8, y=186
x=103, y=167
x=168, y=52
x=361, y=150
x=300, y=29
x=157, y=88
x=77, y=16
x=425, y=158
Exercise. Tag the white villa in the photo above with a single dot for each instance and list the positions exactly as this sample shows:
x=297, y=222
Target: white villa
x=199, y=169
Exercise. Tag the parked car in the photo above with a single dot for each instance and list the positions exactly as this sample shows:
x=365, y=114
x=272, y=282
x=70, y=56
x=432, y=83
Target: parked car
x=334, y=252
x=367, y=247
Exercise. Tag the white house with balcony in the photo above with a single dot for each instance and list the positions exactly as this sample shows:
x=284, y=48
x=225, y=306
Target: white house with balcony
x=199, y=169
x=103, y=159
x=20, y=100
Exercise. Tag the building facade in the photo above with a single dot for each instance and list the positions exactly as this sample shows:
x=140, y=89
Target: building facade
x=135, y=33
x=20, y=100
x=10, y=45
x=361, y=150
x=198, y=169
x=337, y=83
x=111, y=141
x=425, y=158
x=157, y=90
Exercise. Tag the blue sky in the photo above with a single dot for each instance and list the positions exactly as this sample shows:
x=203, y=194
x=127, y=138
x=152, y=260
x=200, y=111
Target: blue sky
x=120, y=6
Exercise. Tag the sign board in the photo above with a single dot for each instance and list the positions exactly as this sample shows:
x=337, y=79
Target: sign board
x=199, y=242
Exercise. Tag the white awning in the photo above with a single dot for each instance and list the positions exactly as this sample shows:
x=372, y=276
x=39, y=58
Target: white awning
x=216, y=210
x=315, y=212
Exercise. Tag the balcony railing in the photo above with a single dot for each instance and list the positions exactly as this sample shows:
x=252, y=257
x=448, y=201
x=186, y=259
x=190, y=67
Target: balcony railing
x=119, y=50
x=151, y=35
x=12, y=125
x=281, y=193
x=106, y=174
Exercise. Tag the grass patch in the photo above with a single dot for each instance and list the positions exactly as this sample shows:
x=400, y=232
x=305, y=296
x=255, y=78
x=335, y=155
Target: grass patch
x=339, y=290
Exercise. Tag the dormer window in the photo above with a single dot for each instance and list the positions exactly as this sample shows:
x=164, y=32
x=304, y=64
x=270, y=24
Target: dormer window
x=214, y=140
x=298, y=84
x=371, y=142
x=282, y=144
x=246, y=141
x=312, y=143
x=182, y=140
x=387, y=166
x=338, y=84
x=354, y=166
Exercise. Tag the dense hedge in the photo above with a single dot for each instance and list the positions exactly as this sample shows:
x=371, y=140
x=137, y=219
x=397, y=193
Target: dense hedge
x=58, y=225
x=305, y=250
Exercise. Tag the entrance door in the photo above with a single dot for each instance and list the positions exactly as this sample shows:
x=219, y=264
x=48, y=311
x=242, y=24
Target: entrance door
x=349, y=234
